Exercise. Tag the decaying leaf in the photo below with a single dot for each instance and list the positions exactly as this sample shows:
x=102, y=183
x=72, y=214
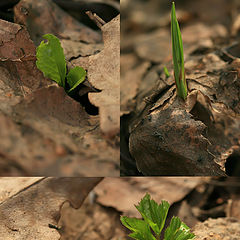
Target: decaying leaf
x=43, y=130
x=150, y=47
x=128, y=93
x=131, y=190
x=17, y=55
x=55, y=135
x=44, y=16
x=92, y=221
x=73, y=49
x=154, y=143
x=33, y=208
x=11, y=185
x=104, y=74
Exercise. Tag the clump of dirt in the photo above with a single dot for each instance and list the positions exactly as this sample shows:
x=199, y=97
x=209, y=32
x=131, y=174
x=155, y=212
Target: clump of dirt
x=218, y=229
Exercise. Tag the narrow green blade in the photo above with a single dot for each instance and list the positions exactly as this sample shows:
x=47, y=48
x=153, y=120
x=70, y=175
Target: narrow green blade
x=178, y=58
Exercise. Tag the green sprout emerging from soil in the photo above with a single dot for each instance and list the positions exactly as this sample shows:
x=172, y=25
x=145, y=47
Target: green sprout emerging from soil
x=51, y=61
x=178, y=58
x=154, y=216
x=166, y=72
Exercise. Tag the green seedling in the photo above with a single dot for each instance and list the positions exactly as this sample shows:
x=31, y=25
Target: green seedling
x=51, y=61
x=178, y=58
x=153, y=221
x=166, y=72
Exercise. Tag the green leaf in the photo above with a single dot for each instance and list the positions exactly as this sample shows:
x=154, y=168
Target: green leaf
x=140, y=229
x=177, y=230
x=154, y=214
x=178, y=58
x=75, y=77
x=51, y=60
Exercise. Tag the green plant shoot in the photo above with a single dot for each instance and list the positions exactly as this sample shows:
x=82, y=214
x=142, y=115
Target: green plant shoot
x=178, y=58
x=154, y=216
x=166, y=72
x=51, y=61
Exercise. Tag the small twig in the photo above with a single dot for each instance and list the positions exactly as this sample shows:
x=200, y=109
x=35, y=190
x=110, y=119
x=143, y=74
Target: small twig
x=53, y=226
x=93, y=16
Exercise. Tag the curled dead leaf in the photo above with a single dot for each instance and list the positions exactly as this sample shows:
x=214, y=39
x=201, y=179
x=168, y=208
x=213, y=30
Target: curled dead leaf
x=104, y=74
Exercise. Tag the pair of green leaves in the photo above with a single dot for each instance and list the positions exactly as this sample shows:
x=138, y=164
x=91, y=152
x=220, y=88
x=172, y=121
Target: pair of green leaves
x=51, y=61
x=154, y=216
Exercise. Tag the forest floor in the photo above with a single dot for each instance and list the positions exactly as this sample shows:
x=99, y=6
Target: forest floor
x=44, y=131
x=33, y=206
x=160, y=133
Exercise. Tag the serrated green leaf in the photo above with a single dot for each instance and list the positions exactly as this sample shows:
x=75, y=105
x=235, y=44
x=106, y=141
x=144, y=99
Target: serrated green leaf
x=140, y=229
x=75, y=77
x=177, y=230
x=178, y=57
x=154, y=214
x=51, y=60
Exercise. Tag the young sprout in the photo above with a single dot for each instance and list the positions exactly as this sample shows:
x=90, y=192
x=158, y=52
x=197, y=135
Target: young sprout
x=178, y=58
x=166, y=72
x=51, y=61
x=151, y=225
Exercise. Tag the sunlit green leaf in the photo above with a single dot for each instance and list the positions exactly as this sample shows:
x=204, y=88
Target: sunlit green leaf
x=51, y=60
x=140, y=229
x=75, y=77
x=154, y=214
x=177, y=230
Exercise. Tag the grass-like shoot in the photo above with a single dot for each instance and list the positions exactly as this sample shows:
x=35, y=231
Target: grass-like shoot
x=153, y=221
x=51, y=61
x=178, y=58
x=166, y=72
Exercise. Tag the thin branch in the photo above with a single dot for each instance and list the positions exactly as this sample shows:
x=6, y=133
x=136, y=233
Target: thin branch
x=94, y=17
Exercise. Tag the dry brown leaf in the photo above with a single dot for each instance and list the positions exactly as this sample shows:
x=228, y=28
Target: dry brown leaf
x=154, y=142
x=44, y=16
x=92, y=222
x=104, y=74
x=199, y=32
x=128, y=93
x=43, y=130
x=73, y=49
x=132, y=190
x=48, y=133
x=10, y=186
x=31, y=211
x=154, y=47
x=17, y=56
